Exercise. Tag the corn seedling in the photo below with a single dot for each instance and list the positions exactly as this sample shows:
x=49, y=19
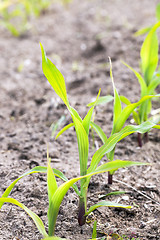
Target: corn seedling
x=120, y=116
x=15, y=14
x=149, y=80
x=56, y=80
x=56, y=194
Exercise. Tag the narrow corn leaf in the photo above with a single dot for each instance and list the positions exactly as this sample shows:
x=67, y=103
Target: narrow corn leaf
x=112, y=193
x=149, y=54
x=125, y=100
x=117, y=102
x=142, y=31
x=38, y=169
x=38, y=222
x=52, y=187
x=119, y=164
x=51, y=181
x=112, y=141
x=99, y=131
x=94, y=234
x=56, y=125
x=156, y=126
x=128, y=110
x=83, y=145
x=64, y=129
x=75, y=113
x=140, y=79
x=106, y=204
x=87, y=120
x=158, y=11
x=153, y=84
x=101, y=100
x=54, y=77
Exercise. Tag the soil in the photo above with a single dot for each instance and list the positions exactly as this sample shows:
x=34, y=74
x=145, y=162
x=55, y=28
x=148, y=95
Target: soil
x=78, y=39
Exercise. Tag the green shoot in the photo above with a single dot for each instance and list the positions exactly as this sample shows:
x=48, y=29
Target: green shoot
x=56, y=194
x=150, y=78
x=15, y=14
x=82, y=131
x=94, y=234
x=120, y=116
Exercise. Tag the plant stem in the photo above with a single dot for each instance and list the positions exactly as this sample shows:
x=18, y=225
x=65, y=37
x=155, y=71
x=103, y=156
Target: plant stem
x=110, y=178
x=139, y=139
x=146, y=139
x=81, y=213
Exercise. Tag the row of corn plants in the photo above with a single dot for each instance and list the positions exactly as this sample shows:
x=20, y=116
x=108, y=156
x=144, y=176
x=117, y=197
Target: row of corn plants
x=140, y=111
x=15, y=15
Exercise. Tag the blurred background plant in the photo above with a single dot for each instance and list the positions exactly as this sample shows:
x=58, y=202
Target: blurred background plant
x=15, y=15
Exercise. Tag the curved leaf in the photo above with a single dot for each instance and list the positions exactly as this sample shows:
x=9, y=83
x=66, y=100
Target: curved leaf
x=106, y=204
x=140, y=79
x=38, y=222
x=101, y=100
x=117, y=102
x=127, y=111
x=37, y=169
x=112, y=141
x=54, y=77
x=64, y=129
x=149, y=54
x=99, y=131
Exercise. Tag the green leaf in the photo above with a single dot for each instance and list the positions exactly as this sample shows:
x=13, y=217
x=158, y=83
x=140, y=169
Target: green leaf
x=140, y=79
x=38, y=222
x=128, y=110
x=119, y=164
x=158, y=11
x=125, y=100
x=101, y=100
x=106, y=204
x=112, y=193
x=112, y=141
x=156, y=126
x=86, y=121
x=37, y=169
x=94, y=234
x=51, y=181
x=83, y=145
x=56, y=125
x=64, y=129
x=142, y=31
x=99, y=131
x=54, y=77
x=117, y=102
x=153, y=84
x=149, y=54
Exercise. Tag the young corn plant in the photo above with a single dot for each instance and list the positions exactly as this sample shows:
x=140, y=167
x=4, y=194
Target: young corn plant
x=82, y=127
x=56, y=194
x=120, y=116
x=15, y=14
x=149, y=80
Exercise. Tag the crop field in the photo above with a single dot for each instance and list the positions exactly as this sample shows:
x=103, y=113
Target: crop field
x=79, y=120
